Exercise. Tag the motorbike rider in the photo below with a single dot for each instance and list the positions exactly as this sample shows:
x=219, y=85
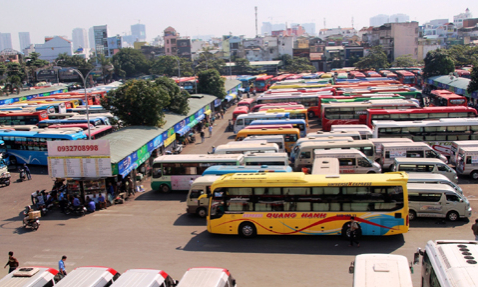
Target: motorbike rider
x=27, y=211
x=76, y=202
x=62, y=200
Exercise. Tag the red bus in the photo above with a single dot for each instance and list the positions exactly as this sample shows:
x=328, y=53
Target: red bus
x=10, y=118
x=276, y=126
x=262, y=83
x=330, y=91
x=279, y=78
x=256, y=108
x=432, y=113
x=356, y=75
x=265, y=108
x=241, y=110
x=444, y=98
x=309, y=101
x=463, y=73
x=249, y=102
x=83, y=126
x=99, y=131
x=372, y=74
x=351, y=113
x=406, y=77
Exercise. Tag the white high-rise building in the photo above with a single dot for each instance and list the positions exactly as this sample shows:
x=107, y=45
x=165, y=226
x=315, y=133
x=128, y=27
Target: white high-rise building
x=5, y=41
x=458, y=19
x=79, y=39
x=101, y=40
x=91, y=38
x=378, y=20
x=398, y=18
x=24, y=40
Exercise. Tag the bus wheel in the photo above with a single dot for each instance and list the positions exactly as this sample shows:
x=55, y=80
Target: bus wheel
x=452, y=216
x=201, y=212
x=412, y=215
x=247, y=230
x=165, y=188
x=474, y=175
x=346, y=231
x=311, y=115
x=371, y=172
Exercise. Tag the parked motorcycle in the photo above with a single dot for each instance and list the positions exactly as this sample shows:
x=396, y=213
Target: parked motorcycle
x=22, y=174
x=80, y=210
x=31, y=219
x=178, y=149
x=5, y=178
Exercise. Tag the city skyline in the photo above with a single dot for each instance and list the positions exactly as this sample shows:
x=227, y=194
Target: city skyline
x=198, y=18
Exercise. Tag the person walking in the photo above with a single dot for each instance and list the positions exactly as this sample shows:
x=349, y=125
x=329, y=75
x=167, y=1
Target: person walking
x=354, y=229
x=12, y=262
x=202, y=136
x=27, y=171
x=61, y=267
x=210, y=131
x=474, y=227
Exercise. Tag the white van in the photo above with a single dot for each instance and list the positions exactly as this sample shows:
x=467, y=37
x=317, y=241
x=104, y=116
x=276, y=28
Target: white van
x=350, y=160
x=200, y=186
x=89, y=276
x=378, y=141
x=389, y=151
x=428, y=165
x=243, y=148
x=30, y=277
x=433, y=178
x=364, y=131
x=305, y=153
x=436, y=200
x=354, y=134
x=207, y=277
x=468, y=161
x=325, y=165
x=279, y=158
x=455, y=145
x=295, y=147
x=277, y=139
x=145, y=277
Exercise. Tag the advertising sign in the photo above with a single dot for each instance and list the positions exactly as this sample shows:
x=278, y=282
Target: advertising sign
x=398, y=153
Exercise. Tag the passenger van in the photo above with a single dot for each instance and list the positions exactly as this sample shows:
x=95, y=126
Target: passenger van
x=455, y=145
x=200, y=186
x=364, y=130
x=243, y=148
x=350, y=160
x=145, y=277
x=433, y=178
x=436, y=200
x=271, y=159
x=468, y=161
x=428, y=165
x=89, y=276
x=325, y=165
x=305, y=154
x=278, y=139
x=207, y=277
x=295, y=148
x=378, y=141
x=389, y=151
x=354, y=134
x=30, y=277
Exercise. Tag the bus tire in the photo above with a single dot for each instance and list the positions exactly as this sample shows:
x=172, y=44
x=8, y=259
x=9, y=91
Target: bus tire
x=452, y=216
x=311, y=115
x=369, y=172
x=474, y=174
x=201, y=212
x=412, y=215
x=165, y=188
x=247, y=230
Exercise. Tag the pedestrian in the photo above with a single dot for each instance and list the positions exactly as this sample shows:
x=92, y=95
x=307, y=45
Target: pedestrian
x=213, y=149
x=191, y=181
x=474, y=227
x=210, y=131
x=34, y=197
x=202, y=136
x=12, y=262
x=130, y=186
x=354, y=229
x=111, y=192
x=27, y=171
x=61, y=267
x=101, y=201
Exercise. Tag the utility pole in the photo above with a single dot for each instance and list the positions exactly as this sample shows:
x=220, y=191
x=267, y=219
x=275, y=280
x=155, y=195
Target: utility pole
x=257, y=33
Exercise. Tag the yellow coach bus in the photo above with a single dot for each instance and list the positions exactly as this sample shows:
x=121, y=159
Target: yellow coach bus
x=300, y=204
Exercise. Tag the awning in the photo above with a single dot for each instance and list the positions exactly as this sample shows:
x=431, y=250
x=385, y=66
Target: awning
x=184, y=130
x=193, y=123
x=208, y=112
x=200, y=118
x=233, y=96
x=228, y=98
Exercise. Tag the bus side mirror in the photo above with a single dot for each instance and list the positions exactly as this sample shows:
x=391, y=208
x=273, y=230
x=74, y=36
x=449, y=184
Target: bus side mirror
x=351, y=268
x=416, y=256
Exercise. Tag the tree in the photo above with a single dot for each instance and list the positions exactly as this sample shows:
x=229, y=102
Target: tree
x=138, y=103
x=75, y=61
x=376, y=59
x=211, y=83
x=33, y=63
x=473, y=85
x=106, y=67
x=15, y=76
x=178, y=100
x=243, y=66
x=463, y=55
x=168, y=66
x=405, y=61
x=132, y=62
x=207, y=60
x=437, y=63
x=297, y=64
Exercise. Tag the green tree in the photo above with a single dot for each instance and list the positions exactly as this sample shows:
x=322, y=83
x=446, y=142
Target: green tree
x=299, y=65
x=242, y=67
x=207, y=60
x=106, y=67
x=437, y=63
x=405, y=61
x=463, y=55
x=15, y=75
x=138, y=103
x=178, y=100
x=132, y=62
x=336, y=63
x=168, y=66
x=376, y=59
x=211, y=83
x=473, y=85
x=352, y=60
x=33, y=63
x=75, y=61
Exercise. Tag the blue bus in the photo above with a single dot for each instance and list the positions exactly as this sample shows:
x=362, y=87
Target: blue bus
x=94, y=120
x=296, y=123
x=31, y=147
x=246, y=82
x=225, y=169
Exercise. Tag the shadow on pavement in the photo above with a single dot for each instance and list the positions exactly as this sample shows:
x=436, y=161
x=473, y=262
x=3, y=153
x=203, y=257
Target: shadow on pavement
x=312, y=245
x=188, y=219
x=437, y=223
x=157, y=195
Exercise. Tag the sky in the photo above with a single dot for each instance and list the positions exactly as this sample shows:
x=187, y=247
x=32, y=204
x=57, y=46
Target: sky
x=207, y=17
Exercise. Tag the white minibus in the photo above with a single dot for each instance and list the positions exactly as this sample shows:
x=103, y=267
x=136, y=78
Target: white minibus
x=325, y=165
x=295, y=147
x=364, y=130
x=200, y=186
x=245, y=120
x=207, y=277
x=354, y=134
x=279, y=158
x=389, y=151
x=424, y=165
x=89, y=276
x=144, y=277
x=242, y=149
x=436, y=200
x=350, y=160
x=378, y=141
x=277, y=139
x=30, y=277
x=433, y=178
x=455, y=145
x=467, y=163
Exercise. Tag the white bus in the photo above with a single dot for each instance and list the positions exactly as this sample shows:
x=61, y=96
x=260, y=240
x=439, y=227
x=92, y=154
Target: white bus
x=145, y=277
x=245, y=120
x=326, y=165
x=378, y=144
x=449, y=263
x=467, y=163
x=175, y=172
x=364, y=130
x=353, y=134
x=371, y=270
x=89, y=276
x=207, y=277
x=30, y=276
x=251, y=147
x=455, y=145
x=439, y=134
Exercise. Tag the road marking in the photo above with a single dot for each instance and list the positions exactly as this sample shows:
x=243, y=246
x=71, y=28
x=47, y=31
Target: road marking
x=106, y=214
x=52, y=263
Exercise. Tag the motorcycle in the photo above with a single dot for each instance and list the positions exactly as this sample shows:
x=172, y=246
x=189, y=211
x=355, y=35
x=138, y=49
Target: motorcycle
x=5, y=178
x=22, y=174
x=178, y=149
x=80, y=210
x=31, y=219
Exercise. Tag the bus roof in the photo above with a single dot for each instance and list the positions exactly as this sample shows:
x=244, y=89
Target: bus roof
x=278, y=122
x=204, y=277
x=429, y=187
x=376, y=269
x=67, y=134
x=263, y=78
x=223, y=169
x=446, y=109
x=87, y=275
x=29, y=276
x=178, y=158
x=338, y=143
x=371, y=103
x=262, y=115
x=430, y=123
x=141, y=277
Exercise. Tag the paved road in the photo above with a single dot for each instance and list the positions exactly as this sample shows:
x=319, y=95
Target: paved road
x=153, y=231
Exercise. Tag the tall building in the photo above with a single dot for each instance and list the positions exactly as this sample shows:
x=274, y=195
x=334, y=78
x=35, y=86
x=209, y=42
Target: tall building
x=139, y=32
x=53, y=47
x=101, y=40
x=79, y=38
x=5, y=41
x=114, y=44
x=378, y=20
x=458, y=19
x=91, y=38
x=398, y=18
x=24, y=40
x=170, y=41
